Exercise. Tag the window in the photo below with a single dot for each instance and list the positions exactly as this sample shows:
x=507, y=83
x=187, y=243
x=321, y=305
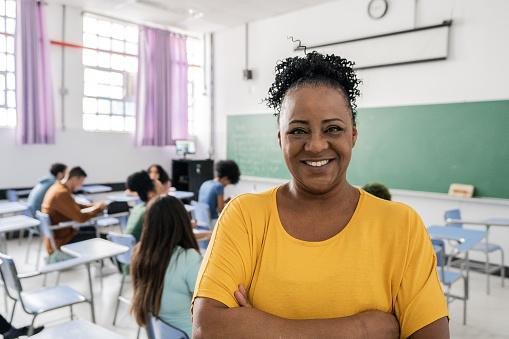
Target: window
x=195, y=81
x=7, y=63
x=110, y=59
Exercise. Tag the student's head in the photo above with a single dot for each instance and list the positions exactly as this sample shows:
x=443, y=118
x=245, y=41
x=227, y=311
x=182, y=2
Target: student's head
x=58, y=170
x=166, y=226
x=378, y=190
x=314, y=100
x=75, y=177
x=157, y=172
x=141, y=183
x=228, y=172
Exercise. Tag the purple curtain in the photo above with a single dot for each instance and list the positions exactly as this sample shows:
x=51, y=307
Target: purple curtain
x=161, y=103
x=36, y=120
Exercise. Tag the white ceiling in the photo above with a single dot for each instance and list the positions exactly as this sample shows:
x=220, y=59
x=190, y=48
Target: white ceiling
x=211, y=15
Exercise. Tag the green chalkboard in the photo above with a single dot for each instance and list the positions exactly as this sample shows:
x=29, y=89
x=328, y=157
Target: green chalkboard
x=252, y=143
x=421, y=148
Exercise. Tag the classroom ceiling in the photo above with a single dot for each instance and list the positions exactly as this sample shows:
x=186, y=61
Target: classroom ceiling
x=193, y=15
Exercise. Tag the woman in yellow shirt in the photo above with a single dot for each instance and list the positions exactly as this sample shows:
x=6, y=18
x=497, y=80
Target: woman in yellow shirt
x=317, y=257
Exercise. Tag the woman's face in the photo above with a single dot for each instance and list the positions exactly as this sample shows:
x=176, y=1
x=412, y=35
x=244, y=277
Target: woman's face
x=316, y=135
x=153, y=173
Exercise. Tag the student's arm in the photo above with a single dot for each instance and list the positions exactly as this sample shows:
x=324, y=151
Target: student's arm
x=220, y=203
x=220, y=198
x=213, y=319
x=438, y=329
x=66, y=206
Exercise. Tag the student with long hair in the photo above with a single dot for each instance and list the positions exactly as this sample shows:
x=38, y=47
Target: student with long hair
x=165, y=265
x=161, y=178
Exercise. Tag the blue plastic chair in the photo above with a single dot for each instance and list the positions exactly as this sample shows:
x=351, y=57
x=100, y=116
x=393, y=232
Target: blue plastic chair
x=201, y=213
x=484, y=247
x=38, y=301
x=159, y=329
x=45, y=232
x=123, y=259
x=448, y=277
x=12, y=195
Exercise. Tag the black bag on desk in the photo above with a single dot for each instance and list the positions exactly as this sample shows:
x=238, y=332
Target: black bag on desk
x=118, y=207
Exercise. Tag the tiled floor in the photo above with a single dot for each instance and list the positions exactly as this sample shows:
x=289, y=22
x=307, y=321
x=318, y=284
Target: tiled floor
x=488, y=316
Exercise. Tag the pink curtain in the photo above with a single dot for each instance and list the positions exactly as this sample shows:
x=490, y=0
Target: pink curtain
x=161, y=104
x=36, y=120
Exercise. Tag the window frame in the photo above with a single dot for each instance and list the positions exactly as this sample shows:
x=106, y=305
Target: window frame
x=8, y=113
x=128, y=95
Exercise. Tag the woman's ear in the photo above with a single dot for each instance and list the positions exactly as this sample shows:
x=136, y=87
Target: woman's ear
x=354, y=136
x=279, y=139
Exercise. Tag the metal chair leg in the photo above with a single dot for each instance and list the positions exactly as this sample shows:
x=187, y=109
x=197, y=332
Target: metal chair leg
x=6, y=308
x=101, y=276
x=38, y=263
x=13, y=309
x=31, y=328
x=118, y=298
x=487, y=272
x=30, y=236
x=72, y=316
x=138, y=334
x=92, y=312
x=465, y=298
x=502, y=267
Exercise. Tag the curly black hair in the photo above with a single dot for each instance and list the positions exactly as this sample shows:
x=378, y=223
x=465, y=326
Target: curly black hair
x=314, y=69
x=140, y=183
x=228, y=169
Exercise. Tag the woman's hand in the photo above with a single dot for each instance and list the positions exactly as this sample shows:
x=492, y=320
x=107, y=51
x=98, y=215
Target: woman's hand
x=242, y=297
x=370, y=324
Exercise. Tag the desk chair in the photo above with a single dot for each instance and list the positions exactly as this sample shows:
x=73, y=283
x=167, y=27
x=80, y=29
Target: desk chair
x=12, y=195
x=158, y=329
x=484, y=247
x=117, y=214
x=201, y=213
x=448, y=277
x=46, y=232
x=57, y=255
x=41, y=300
x=124, y=260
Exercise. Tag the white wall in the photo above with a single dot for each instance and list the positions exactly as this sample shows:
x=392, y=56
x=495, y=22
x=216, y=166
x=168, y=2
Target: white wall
x=105, y=156
x=476, y=70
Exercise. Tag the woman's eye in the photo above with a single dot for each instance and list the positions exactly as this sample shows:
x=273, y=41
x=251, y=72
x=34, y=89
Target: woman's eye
x=297, y=131
x=334, y=129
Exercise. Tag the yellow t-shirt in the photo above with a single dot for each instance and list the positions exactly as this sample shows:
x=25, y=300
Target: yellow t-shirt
x=383, y=259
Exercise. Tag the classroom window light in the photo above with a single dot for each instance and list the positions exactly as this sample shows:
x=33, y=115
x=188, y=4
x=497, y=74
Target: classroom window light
x=110, y=60
x=7, y=63
x=195, y=81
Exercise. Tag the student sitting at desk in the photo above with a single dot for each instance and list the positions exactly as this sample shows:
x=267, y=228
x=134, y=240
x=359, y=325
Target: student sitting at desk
x=212, y=191
x=34, y=201
x=165, y=265
x=161, y=178
x=141, y=184
x=59, y=204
